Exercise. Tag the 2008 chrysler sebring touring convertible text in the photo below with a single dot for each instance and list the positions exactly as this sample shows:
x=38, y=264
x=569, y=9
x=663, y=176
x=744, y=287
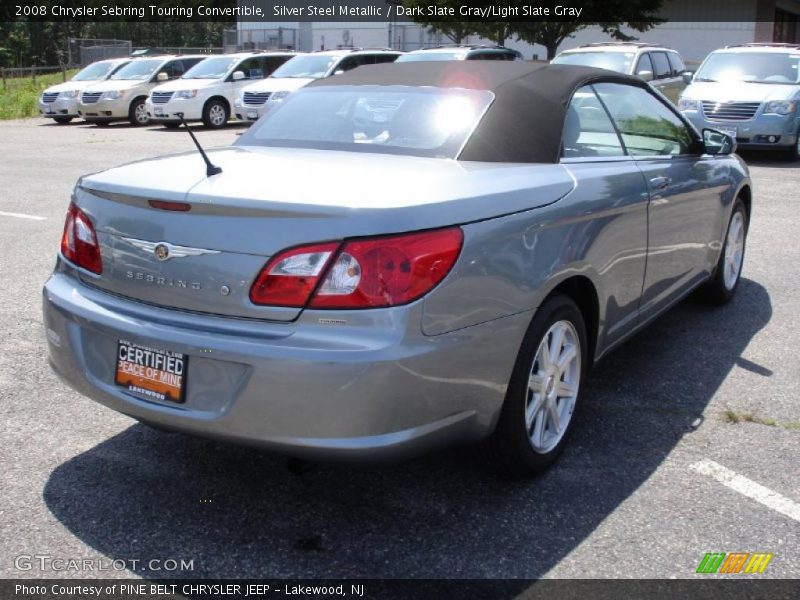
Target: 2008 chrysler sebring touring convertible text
x=396, y=258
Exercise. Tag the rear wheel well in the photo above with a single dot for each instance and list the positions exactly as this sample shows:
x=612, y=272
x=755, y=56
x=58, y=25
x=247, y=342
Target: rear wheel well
x=582, y=291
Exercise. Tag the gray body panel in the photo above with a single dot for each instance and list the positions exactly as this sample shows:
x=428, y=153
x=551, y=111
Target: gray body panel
x=381, y=382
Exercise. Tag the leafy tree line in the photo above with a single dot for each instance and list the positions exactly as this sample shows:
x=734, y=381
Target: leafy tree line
x=639, y=15
x=30, y=43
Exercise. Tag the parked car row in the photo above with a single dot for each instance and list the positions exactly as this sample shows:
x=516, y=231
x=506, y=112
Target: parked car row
x=750, y=91
x=212, y=88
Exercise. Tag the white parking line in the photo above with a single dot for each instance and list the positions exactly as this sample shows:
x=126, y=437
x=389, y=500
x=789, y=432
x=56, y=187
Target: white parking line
x=749, y=488
x=21, y=216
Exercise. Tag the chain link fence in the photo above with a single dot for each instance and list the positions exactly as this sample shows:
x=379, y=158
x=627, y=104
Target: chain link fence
x=84, y=51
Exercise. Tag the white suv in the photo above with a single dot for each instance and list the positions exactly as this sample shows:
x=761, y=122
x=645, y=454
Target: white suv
x=662, y=67
x=207, y=91
x=60, y=102
x=259, y=97
x=122, y=96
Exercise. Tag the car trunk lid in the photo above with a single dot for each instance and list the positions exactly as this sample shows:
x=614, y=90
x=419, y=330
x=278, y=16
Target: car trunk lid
x=205, y=258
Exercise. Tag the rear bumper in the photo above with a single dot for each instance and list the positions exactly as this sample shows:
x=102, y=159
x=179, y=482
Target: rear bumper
x=382, y=391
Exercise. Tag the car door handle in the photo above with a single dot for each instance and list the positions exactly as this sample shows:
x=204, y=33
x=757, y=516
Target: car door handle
x=659, y=183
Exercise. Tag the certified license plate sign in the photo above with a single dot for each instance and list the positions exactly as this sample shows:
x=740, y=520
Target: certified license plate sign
x=159, y=112
x=152, y=373
x=252, y=114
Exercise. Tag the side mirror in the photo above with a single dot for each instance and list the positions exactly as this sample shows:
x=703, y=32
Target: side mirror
x=687, y=77
x=646, y=75
x=718, y=142
x=162, y=76
x=338, y=72
x=238, y=75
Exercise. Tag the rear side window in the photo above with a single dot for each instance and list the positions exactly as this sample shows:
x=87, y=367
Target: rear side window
x=647, y=126
x=661, y=65
x=676, y=63
x=588, y=130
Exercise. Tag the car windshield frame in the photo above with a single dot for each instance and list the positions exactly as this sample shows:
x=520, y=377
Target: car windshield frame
x=84, y=74
x=710, y=70
x=619, y=60
x=231, y=64
x=319, y=102
x=121, y=75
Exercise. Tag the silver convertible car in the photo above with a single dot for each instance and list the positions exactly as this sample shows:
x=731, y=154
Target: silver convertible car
x=396, y=258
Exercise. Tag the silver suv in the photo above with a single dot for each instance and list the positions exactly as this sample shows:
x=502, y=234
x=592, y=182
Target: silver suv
x=662, y=67
x=750, y=92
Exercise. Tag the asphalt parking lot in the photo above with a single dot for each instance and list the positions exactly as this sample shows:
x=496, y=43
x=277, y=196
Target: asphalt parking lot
x=643, y=490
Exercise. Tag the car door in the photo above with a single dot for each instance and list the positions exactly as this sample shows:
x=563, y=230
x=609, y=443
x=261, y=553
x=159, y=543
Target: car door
x=686, y=190
x=611, y=196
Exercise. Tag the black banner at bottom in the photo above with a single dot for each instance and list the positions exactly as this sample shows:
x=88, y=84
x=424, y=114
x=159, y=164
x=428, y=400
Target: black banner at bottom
x=546, y=589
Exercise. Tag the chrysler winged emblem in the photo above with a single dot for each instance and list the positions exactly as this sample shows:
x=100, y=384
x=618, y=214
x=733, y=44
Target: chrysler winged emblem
x=164, y=250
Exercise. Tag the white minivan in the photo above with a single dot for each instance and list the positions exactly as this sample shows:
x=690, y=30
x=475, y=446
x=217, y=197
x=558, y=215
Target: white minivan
x=60, y=102
x=122, y=96
x=207, y=91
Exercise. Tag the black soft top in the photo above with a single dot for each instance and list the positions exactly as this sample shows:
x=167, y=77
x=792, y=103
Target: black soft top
x=526, y=120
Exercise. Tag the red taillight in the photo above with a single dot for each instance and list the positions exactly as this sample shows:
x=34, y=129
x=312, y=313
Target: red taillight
x=291, y=276
x=79, y=241
x=365, y=273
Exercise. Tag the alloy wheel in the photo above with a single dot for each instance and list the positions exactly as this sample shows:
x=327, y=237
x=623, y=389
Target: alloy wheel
x=553, y=386
x=216, y=114
x=734, y=251
x=140, y=114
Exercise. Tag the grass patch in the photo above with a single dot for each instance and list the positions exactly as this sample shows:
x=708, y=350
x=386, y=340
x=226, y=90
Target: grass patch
x=19, y=99
x=731, y=416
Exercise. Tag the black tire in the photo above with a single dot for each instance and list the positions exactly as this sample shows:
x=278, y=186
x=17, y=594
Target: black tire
x=137, y=114
x=510, y=447
x=62, y=120
x=212, y=111
x=717, y=290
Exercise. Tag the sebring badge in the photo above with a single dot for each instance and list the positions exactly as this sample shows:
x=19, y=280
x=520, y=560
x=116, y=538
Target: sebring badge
x=164, y=250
